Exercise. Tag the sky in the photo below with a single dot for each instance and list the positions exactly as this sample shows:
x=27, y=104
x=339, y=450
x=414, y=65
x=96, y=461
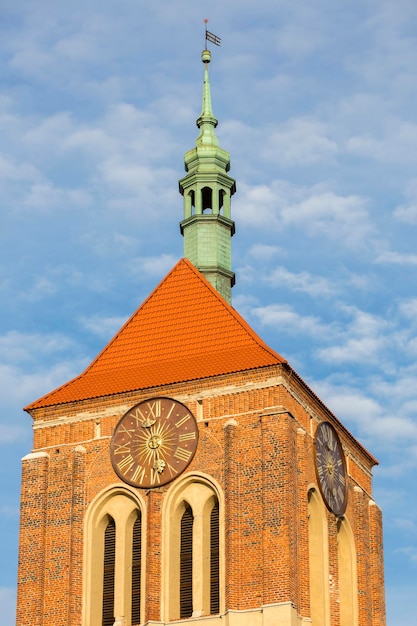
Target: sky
x=316, y=104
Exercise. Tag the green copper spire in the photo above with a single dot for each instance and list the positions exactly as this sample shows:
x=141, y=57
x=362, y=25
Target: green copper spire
x=207, y=226
x=207, y=122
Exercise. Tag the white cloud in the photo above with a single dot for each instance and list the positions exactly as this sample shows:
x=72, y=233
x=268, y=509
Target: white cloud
x=265, y=252
x=258, y=206
x=304, y=282
x=19, y=387
x=21, y=381
x=45, y=197
x=127, y=178
x=155, y=266
x=408, y=308
x=247, y=273
x=285, y=318
x=408, y=212
x=317, y=211
x=355, y=350
x=300, y=141
x=402, y=390
x=51, y=131
x=104, y=327
x=12, y=171
x=369, y=418
x=397, y=145
x=41, y=288
x=302, y=34
x=324, y=212
x=17, y=347
x=361, y=341
x=396, y=258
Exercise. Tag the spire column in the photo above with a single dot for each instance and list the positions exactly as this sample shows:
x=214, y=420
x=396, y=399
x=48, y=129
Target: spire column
x=207, y=188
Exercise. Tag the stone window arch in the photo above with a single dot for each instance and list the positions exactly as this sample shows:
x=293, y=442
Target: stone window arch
x=114, y=558
x=193, y=547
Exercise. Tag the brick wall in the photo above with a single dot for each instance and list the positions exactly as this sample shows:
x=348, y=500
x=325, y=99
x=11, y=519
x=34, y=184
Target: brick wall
x=256, y=440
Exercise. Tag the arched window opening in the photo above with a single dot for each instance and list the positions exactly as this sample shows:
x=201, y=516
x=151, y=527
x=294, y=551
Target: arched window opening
x=136, y=569
x=222, y=194
x=114, y=552
x=192, y=201
x=214, y=560
x=194, y=545
x=318, y=560
x=348, y=586
x=207, y=200
x=108, y=573
x=186, y=564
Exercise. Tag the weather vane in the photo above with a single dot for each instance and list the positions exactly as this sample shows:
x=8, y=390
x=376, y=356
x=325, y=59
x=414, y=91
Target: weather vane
x=210, y=37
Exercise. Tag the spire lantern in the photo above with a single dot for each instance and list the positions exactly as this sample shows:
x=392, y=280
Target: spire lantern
x=207, y=226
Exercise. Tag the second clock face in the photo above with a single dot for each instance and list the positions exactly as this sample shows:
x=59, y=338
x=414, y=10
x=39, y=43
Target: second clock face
x=153, y=442
x=331, y=468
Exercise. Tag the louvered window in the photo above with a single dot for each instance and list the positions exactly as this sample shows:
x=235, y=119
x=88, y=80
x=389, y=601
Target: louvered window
x=136, y=570
x=108, y=574
x=186, y=564
x=214, y=561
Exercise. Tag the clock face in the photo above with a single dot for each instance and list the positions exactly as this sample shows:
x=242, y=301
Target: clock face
x=153, y=442
x=331, y=468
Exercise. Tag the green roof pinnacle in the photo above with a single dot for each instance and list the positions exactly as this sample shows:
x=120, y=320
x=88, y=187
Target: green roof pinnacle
x=207, y=122
x=207, y=188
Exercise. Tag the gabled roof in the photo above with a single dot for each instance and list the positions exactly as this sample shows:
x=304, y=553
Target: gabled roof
x=183, y=331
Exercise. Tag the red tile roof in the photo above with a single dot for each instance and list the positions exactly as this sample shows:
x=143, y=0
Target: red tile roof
x=183, y=331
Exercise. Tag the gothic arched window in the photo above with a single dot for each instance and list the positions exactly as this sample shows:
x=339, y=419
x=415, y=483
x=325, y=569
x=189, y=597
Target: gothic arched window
x=318, y=560
x=108, y=573
x=193, y=541
x=348, y=585
x=186, y=564
x=136, y=570
x=214, y=560
x=113, y=577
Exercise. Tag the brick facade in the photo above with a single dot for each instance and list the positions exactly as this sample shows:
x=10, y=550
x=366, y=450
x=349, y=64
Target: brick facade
x=256, y=441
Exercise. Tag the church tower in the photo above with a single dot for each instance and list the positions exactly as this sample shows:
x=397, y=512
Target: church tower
x=189, y=475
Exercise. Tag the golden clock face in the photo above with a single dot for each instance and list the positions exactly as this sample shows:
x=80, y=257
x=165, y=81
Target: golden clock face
x=153, y=442
x=331, y=468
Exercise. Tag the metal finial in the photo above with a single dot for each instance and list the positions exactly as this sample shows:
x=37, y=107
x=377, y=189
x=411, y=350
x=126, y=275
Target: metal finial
x=211, y=37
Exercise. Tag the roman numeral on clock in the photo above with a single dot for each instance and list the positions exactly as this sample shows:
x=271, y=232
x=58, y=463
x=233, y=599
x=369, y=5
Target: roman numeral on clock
x=182, y=454
x=126, y=464
x=138, y=474
x=155, y=408
x=123, y=448
x=182, y=421
x=187, y=436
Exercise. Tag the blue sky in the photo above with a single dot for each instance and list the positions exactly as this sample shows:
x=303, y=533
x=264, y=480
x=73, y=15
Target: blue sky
x=317, y=106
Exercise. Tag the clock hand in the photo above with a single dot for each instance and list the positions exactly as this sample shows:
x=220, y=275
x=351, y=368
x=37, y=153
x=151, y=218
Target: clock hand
x=154, y=444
